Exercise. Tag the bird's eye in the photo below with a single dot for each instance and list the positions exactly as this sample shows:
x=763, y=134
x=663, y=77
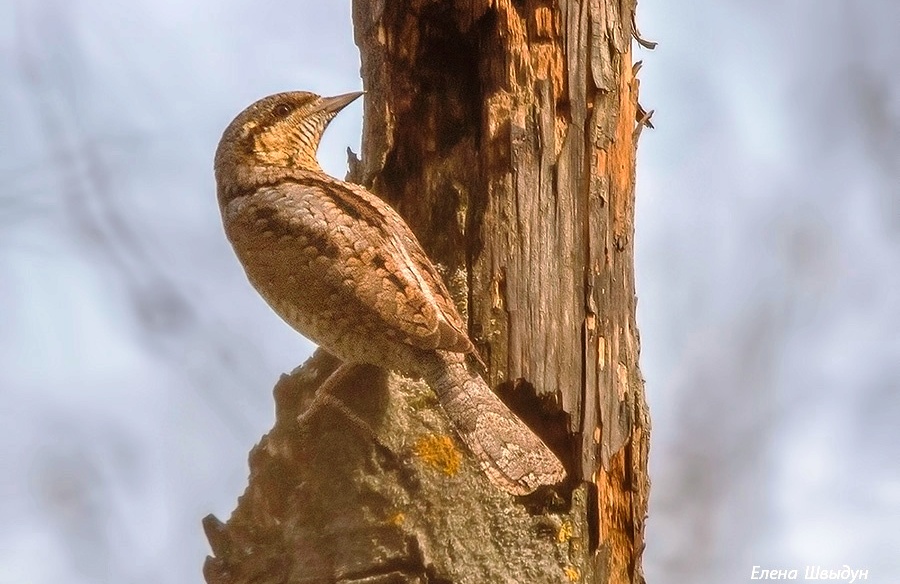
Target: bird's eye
x=282, y=110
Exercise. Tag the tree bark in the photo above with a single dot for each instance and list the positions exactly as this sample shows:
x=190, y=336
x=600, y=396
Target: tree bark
x=504, y=131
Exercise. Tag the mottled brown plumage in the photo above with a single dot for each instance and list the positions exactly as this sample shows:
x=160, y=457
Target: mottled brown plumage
x=342, y=267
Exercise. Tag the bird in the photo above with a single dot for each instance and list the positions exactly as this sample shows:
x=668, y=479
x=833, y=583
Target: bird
x=342, y=267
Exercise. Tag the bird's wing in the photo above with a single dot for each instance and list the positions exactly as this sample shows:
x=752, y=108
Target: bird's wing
x=416, y=258
x=348, y=253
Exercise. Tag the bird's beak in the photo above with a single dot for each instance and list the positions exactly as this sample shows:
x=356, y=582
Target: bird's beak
x=332, y=105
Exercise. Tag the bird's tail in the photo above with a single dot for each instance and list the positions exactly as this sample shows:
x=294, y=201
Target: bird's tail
x=512, y=456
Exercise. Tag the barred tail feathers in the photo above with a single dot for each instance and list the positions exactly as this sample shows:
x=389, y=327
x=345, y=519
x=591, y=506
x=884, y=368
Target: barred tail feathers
x=512, y=456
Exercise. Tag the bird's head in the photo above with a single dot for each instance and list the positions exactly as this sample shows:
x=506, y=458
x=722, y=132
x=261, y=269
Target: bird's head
x=282, y=130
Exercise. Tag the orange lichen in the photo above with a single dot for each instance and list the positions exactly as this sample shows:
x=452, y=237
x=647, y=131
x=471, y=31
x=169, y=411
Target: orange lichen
x=565, y=532
x=439, y=452
x=397, y=519
x=572, y=573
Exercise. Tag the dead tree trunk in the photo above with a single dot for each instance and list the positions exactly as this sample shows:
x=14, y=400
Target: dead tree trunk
x=505, y=132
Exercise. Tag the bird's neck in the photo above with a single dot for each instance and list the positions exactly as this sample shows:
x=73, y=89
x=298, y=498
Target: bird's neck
x=237, y=180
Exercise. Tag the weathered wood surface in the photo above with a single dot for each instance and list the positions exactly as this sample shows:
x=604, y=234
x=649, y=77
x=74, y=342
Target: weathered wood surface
x=336, y=503
x=505, y=132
